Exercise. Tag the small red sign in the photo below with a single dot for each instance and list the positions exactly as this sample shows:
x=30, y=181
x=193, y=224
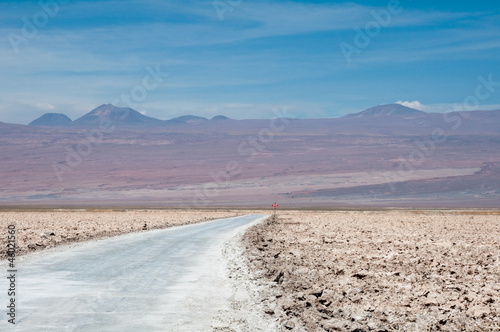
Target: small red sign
x=275, y=205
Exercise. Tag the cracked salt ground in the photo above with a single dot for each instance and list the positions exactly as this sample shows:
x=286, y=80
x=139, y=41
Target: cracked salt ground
x=380, y=270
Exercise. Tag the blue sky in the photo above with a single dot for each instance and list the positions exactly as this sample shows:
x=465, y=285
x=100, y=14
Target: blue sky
x=247, y=60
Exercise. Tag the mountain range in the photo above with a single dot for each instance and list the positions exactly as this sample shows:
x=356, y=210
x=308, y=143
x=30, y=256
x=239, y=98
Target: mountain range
x=121, y=116
x=385, y=156
x=391, y=119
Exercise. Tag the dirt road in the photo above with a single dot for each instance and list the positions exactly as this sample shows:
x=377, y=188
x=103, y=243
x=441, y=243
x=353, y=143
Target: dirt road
x=163, y=280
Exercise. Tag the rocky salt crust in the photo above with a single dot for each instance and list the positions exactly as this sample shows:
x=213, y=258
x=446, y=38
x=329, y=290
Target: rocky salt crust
x=246, y=311
x=37, y=230
x=380, y=271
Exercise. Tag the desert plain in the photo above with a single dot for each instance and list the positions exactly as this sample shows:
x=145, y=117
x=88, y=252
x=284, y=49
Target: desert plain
x=399, y=270
x=335, y=270
x=386, y=156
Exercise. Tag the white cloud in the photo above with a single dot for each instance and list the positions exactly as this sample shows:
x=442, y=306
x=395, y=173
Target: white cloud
x=45, y=106
x=414, y=104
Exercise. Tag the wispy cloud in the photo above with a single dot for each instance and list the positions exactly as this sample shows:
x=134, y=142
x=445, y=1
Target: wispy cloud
x=413, y=104
x=45, y=106
x=262, y=54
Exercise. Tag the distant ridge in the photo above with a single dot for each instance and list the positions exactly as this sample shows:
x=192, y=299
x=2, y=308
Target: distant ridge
x=387, y=110
x=220, y=117
x=126, y=116
x=51, y=120
x=187, y=119
x=388, y=118
x=117, y=115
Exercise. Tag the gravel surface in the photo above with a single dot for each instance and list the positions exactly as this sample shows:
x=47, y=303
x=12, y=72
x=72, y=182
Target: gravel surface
x=380, y=271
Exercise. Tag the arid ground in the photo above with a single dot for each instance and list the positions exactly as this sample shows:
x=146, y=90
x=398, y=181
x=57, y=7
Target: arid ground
x=380, y=270
x=37, y=230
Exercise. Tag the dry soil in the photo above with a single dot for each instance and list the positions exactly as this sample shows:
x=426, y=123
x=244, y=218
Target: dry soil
x=37, y=230
x=380, y=271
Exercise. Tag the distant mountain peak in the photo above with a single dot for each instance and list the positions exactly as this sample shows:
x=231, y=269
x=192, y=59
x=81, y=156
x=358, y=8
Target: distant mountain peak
x=188, y=119
x=51, y=120
x=220, y=117
x=117, y=115
x=387, y=110
x=107, y=110
x=104, y=110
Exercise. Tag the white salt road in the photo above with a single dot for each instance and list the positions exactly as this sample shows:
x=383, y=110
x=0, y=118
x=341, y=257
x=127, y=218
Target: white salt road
x=162, y=280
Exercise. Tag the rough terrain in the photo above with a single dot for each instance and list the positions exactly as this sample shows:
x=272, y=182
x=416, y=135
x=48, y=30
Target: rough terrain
x=37, y=230
x=380, y=270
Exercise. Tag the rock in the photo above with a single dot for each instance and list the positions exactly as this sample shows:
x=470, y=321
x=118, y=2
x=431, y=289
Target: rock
x=289, y=325
x=479, y=311
x=434, y=299
x=334, y=324
x=374, y=326
x=316, y=291
x=359, y=275
x=279, y=277
x=311, y=298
